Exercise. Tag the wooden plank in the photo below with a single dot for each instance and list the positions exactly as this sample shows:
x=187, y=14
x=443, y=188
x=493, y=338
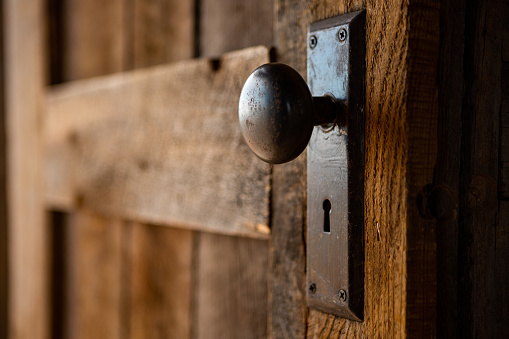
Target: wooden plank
x=4, y=252
x=28, y=304
x=158, y=260
x=421, y=115
x=88, y=38
x=230, y=287
x=227, y=305
x=93, y=277
x=94, y=38
x=444, y=196
x=401, y=52
x=500, y=272
x=160, y=282
x=483, y=231
x=163, y=31
x=109, y=152
x=226, y=25
x=290, y=318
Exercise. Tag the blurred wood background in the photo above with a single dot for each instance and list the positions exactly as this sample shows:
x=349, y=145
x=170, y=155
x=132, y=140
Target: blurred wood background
x=110, y=229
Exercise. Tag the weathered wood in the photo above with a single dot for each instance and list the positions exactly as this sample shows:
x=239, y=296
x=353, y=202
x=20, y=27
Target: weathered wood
x=230, y=287
x=4, y=252
x=443, y=198
x=158, y=260
x=500, y=271
x=27, y=279
x=94, y=38
x=483, y=271
x=420, y=107
x=163, y=31
x=503, y=174
x=93, y=277
x=160, y=282
x=90, y=38
x=160, y=145
x=401, y=53
x=226, y=25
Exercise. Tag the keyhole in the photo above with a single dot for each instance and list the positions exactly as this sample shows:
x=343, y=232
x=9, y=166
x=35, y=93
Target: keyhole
x=326, y=215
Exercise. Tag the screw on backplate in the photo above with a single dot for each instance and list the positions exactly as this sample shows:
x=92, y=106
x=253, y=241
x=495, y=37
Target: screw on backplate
x=313, y=40
x=342, y=295
x=342, y=34
x=312, y=288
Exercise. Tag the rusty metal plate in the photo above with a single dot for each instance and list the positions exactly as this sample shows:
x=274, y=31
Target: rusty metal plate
x=335, y=215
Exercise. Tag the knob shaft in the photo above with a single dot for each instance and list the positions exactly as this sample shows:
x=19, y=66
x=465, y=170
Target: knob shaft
x=277, y=113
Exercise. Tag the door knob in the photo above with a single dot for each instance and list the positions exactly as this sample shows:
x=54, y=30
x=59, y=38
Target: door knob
x=279, y=115
x=277, y=112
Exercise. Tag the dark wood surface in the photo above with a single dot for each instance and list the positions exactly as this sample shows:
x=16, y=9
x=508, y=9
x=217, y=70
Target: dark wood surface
x=443, y=196
x=483, y=280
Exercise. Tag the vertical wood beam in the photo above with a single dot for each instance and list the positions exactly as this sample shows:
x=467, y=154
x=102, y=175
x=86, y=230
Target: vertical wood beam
x=231, y=272
x=483, y=242
x=227, y=25
x=159, y=292
x=163, y=31
x=93, y=285
x=95, y=40
x=28, y=302
x=4, y=251
x=159, y=259
x=444, y=195
x=400, y=139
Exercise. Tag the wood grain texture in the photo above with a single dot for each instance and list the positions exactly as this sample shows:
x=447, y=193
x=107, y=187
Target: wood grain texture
x=94, y=37
x=230, y=294
x=160, y=145
x=443, y=197
x=503, y=177
x=93, y=289
x=28, y=279
x=503, y=174
x=89, y=38
x=483, y=233
x=230, y=287
x=421, y=115
x=226, y=25
x=400, y=139
x=4, y=251
x=158, y=260
x=160, y=282
x=163, y=31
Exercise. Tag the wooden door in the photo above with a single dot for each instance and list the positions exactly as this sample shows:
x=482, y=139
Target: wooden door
x=136, y=211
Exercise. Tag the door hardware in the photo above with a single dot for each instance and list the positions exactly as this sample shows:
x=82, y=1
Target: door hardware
x=280, y=115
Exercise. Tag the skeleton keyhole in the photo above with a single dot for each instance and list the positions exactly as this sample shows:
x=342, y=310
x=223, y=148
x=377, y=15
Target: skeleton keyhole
x=326, y=215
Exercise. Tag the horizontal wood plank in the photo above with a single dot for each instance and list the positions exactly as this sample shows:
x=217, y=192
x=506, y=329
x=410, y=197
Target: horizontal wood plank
x=159, y=145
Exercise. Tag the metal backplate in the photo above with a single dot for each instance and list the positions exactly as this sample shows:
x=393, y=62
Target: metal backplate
x=335, y=214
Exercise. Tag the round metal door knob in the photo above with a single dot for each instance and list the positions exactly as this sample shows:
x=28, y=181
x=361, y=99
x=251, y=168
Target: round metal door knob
x=277, y=113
